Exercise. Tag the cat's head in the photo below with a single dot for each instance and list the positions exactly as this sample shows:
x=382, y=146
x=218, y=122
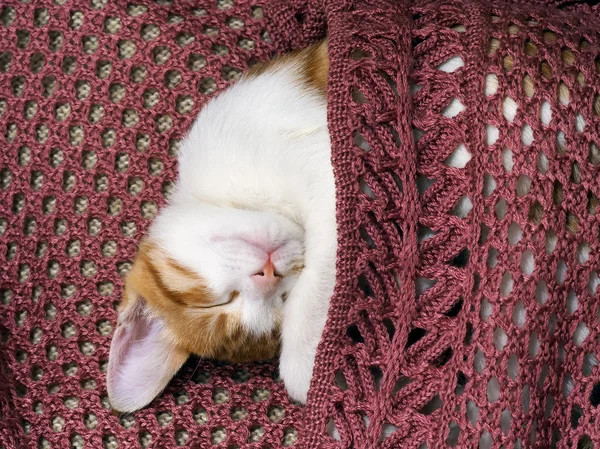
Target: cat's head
x=209, y=281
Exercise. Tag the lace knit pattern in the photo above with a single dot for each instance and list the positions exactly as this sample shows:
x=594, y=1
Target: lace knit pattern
x=466, y=312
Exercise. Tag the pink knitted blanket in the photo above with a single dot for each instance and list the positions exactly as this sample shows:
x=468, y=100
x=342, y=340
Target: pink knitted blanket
x=466, y=312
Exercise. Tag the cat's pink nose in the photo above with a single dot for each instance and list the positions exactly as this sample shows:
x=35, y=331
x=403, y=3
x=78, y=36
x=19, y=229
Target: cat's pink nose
x=266, y=278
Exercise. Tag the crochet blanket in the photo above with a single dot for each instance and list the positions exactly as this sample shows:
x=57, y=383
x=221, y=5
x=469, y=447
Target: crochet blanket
x=466, y=312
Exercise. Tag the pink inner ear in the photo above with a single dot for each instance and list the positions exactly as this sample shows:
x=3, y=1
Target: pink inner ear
x=141, y=361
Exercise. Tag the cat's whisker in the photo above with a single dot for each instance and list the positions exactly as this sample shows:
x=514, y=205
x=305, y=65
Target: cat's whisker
x=193, y=372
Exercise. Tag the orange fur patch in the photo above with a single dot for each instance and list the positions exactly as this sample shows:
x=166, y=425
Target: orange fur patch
x=194, y=321
x=314, y=65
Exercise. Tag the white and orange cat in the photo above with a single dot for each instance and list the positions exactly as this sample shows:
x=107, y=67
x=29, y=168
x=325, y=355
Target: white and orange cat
x=240, y=265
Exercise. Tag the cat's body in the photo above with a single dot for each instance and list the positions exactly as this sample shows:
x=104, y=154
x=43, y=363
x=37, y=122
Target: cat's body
x=243, y=257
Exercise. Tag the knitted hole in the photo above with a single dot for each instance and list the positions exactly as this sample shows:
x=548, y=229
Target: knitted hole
x=163, y=123
x=112, y=25
x=453, y=434
x=256, y=433
x=149, y=209
x=220, y=396
x=184, y=39
x=201, y=416
x=130, y=118
x=546, y=70
x=172, y=78
x=513, y=29
x=181, y=437
x=90, y=421
x=290, y=436
x=276, y=413
x=110, y=442
x=196, y=62
x=563, y=94
x=123, y=268
x=218, y=435
x=493, y=46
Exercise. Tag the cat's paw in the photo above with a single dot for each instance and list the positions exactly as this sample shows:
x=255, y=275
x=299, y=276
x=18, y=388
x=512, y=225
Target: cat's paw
x=296, y=373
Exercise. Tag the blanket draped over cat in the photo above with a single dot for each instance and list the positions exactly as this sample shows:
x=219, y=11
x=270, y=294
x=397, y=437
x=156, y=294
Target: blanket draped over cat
x=501, y=346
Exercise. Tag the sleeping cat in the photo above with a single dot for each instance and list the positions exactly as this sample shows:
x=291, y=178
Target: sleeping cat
x=240, y=265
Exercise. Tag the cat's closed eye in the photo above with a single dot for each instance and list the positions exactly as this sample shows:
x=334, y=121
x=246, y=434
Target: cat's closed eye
x=232, y=296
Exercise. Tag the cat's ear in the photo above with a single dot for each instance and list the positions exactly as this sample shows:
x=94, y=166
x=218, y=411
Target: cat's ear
x=142, y=360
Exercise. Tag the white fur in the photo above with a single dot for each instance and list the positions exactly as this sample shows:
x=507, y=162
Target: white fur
x=472, y=412
x=489, y=185
x=514, y=233
x=541, y=292
x=479, y=361
x=509, y=109
x=527, y=135
x=550, y=241
x=527, y=262
x=561, y=271
x=506, y=284
x=500, y=338
x=534, y=345
x=572, y=301
x=561, y=141
x=451, y=65
x=542, y=163
x=525, y=398
x=589, y=363
x=460, y=157
x=593, y=283
x=491, y=84
x=519, y=314
x=486, y=310
x=463, y=207
x=507, y=159
x=512, y=367
x=580, y=334
x=567, y=385
x=583, y=253
x=454, y=108
x=545, y=113
x=505, y=420
x=255, y=176
x=523, y=185
x=491, y=134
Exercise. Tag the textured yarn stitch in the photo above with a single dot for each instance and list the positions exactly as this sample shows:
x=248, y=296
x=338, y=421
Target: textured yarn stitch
x=500, y=352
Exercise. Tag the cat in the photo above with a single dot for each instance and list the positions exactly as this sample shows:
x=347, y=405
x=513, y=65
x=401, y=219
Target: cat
x=239, y=266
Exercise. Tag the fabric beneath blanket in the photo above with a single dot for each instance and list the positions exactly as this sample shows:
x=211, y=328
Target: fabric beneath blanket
x=466, y=312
